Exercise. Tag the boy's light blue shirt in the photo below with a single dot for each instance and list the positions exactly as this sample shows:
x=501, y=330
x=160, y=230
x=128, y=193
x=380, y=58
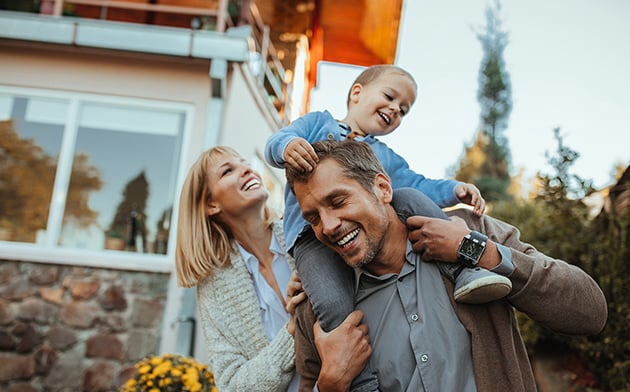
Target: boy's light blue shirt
x=316, y=126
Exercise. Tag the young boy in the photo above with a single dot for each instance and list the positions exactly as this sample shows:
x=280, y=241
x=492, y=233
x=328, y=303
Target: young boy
x=377, y=101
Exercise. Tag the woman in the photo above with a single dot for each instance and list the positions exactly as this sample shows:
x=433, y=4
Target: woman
x=231, y=249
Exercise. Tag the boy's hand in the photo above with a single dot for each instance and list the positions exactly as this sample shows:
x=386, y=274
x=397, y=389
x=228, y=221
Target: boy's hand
x=436, y=238
x=470, y=194
x=300, y=155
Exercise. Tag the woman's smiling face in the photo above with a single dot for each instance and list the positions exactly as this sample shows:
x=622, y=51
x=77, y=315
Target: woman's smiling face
x=234, y=186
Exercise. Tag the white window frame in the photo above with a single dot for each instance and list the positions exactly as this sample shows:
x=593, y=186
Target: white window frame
x=49, y=252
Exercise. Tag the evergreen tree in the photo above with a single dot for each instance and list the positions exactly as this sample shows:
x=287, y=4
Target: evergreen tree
x=130, y=215
x=487, y=162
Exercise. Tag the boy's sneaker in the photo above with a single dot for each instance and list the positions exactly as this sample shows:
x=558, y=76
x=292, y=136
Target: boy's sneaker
x=478, y=285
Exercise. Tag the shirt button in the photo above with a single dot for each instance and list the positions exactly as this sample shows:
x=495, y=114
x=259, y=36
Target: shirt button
x=414, y=317
x=424, y=357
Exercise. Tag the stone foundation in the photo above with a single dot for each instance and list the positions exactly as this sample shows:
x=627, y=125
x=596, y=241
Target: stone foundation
x=69, y=328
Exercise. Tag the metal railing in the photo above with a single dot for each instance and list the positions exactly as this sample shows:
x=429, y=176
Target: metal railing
x=272, y=76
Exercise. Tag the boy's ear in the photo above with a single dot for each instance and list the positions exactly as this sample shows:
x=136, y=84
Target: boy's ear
x=355, y=90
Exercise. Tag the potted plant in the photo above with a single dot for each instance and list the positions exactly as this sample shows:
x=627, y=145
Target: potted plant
x=170, y=373
x=114, y=240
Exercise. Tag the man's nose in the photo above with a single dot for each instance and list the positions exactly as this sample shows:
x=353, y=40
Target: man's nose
x=329, y=223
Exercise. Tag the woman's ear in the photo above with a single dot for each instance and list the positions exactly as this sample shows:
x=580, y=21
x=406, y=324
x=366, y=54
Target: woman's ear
x=212, y=208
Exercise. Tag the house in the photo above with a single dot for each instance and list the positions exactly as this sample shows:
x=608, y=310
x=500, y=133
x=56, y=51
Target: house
x=104, y=105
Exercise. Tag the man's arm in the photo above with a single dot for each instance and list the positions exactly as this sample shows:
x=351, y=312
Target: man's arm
x=553, y=292
x=329, y=360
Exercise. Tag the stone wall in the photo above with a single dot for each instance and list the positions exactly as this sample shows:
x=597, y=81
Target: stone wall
x=70, y=328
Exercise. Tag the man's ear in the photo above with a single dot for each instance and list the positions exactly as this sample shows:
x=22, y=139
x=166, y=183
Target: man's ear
x=383, y=187
x=212, y=208
x=355, y=90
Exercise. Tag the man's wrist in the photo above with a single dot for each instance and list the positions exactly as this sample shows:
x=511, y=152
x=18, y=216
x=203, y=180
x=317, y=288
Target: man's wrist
x=330, y=385
x=471, y=248
x=491, y=257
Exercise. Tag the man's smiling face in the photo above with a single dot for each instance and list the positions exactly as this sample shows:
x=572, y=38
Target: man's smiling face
x=343, y=214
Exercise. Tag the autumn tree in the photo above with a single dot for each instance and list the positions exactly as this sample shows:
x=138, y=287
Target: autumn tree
x=486, y=163
x=27, y=176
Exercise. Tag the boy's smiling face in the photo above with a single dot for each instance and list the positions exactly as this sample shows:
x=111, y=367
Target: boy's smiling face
x=377, y=108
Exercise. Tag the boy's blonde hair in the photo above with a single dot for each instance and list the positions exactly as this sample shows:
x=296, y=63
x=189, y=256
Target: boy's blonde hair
x=203, y=243
x=372, y=73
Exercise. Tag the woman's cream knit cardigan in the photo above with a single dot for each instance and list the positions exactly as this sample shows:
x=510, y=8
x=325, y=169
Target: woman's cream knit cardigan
x=240, y=355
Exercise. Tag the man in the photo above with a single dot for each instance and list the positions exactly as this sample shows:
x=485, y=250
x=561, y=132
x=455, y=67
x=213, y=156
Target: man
x=419, y=338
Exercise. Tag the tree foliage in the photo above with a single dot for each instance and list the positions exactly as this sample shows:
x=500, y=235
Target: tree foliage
x=557, y=223
x=487, y=162
x=129, y=220
x=27, y=175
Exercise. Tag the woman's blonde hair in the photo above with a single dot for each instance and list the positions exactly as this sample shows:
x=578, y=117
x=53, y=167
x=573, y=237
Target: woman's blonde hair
x=203, y=243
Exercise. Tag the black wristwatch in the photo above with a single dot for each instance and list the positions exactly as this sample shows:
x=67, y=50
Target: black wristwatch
x=471, y=248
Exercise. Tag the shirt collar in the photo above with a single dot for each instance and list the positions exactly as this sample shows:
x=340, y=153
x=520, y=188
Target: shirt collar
x=346, y=132
x=251, y=261
x=408, y=267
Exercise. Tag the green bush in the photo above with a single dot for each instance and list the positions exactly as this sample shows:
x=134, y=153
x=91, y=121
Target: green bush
x=556, y=223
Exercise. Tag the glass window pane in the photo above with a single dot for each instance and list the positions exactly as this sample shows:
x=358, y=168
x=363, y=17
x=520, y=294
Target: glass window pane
x=31, y=131
x=122, y=184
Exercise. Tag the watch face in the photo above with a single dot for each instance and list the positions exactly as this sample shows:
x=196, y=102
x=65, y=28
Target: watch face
x=471, y=249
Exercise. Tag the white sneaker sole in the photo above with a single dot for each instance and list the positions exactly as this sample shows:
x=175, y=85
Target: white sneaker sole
x=484, y=290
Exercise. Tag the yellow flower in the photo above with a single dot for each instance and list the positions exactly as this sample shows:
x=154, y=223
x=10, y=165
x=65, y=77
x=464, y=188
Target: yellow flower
x=144, y=369
x=170, y=373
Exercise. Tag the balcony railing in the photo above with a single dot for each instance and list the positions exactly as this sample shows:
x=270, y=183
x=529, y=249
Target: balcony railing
x=194, y=14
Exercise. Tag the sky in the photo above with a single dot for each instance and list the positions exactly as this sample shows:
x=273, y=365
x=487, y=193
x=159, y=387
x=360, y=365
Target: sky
x=569, y=67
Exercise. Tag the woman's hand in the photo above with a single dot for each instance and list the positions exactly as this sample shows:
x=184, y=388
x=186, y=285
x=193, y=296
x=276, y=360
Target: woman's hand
x=295, y=295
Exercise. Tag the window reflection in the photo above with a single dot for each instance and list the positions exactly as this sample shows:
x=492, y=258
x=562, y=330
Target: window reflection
x=31, y=132
x=121, y=169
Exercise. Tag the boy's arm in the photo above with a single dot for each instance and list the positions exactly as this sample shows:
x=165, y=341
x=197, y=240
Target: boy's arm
x=441, y=191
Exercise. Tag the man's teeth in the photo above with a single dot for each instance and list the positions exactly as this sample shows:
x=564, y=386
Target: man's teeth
x=251, y=183
x=348, y=237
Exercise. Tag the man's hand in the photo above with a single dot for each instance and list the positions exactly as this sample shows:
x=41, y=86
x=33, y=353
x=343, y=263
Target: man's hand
x=436, y=239
x=344, y=352
x=300, y=155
